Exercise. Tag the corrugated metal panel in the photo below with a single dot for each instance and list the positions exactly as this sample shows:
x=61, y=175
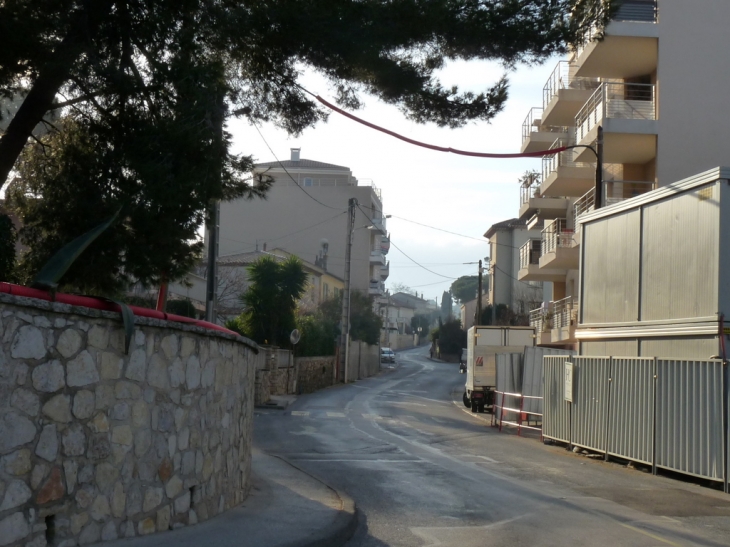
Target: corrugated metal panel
x=689, y=417
x=631, y=409
x=607, y=297
x=556, y=413
x=680, y=255
x=532, y=375
x=627, y=347
x=680, y=347
x=589, y=418
x=509, y=380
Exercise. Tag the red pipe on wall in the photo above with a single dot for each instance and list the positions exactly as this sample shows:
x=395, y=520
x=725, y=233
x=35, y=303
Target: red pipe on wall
x=99, y=304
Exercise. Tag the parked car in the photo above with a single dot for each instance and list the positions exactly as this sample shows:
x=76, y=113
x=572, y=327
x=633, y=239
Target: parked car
x=387, y=355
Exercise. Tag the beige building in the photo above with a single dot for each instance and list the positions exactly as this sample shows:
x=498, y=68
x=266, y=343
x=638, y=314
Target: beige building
x=314, y=227
x=655, y=86
x=506, y=239
x=233, y=280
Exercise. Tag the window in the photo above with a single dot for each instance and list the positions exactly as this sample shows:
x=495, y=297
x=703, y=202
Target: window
x=326, y=291
x=308, y=181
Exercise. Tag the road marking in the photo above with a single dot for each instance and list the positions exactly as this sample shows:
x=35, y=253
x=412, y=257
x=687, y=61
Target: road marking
x=307, y=430
x=299, y=413
x=335, y=414
x=372, y=417
x=431, y=533
x=485, y=458
x=658, y=538
x=403, y=403
x=358, y=460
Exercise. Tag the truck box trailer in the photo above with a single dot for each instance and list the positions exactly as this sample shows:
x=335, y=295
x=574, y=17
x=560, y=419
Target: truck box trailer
x=482, y=345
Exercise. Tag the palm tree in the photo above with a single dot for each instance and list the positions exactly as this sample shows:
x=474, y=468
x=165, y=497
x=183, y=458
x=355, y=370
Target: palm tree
x=271, y=299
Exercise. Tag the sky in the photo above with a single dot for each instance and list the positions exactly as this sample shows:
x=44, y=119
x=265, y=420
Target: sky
x=450, y=192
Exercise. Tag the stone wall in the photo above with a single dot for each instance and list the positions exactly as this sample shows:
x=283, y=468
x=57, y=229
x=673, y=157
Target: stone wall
x=314, y=373
x=97, y=444
x=364, y=361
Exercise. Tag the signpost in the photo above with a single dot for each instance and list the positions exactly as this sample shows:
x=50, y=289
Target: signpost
x=569, y=382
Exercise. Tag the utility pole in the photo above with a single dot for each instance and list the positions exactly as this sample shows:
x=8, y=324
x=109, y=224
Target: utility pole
x=478, y=318
x=345, y=321
x=214, y=210
x=598, y=201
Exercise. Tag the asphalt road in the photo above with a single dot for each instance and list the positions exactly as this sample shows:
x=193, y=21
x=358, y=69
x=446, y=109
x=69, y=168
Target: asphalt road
x=425, y=472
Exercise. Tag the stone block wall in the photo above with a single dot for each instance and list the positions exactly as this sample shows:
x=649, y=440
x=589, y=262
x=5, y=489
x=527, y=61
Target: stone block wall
x=314, y=373
x=97, y=444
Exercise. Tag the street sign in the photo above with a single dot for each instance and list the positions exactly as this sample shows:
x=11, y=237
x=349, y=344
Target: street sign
x=569, y=382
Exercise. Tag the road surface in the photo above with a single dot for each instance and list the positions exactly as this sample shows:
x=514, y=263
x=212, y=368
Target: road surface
x=425, y=472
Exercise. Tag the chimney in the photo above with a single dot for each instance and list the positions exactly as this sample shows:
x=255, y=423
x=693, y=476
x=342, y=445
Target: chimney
x=295, y=154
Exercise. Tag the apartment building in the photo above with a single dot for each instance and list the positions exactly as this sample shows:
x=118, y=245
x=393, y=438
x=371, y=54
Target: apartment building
x=506, y=241
x=654, y=86
x=304, y=214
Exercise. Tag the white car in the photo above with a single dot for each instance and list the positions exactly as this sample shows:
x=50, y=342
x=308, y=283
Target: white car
x=387, y=355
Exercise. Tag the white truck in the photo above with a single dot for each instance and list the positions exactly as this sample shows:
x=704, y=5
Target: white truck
x=482, y=345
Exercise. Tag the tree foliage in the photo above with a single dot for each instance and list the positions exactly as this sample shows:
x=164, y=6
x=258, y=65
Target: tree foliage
x=365, y=324
x=423, y=321
x=446, y=306
x=465, y=288
x=451, y=337
x=7, y=248
x=144, y=88
x=271, y=299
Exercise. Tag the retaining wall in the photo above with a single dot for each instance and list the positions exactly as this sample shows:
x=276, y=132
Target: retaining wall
x=97, y=444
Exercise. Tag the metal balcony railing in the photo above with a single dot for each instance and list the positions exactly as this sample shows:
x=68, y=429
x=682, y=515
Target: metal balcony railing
x=563, y=77
x=616, y=100
x=541, y=318
x=564, y=312
x=615, y=191
x=530, y=253
x=586, y=203
x=556, y=234
x=551, y=163
x=529, y=189
x=642, y=11
x=533, y=124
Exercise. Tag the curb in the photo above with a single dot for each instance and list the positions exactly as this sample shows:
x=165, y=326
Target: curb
x=342, y=529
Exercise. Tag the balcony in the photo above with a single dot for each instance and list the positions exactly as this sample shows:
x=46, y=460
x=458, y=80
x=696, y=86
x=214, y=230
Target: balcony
x=559, y=246
x=627, y=113
x=385, y=271
x=376, y=288
x=555, y=322
x=614, y=191
x=377, y=257
x=629, y=47
x=537, y=136
x=530, y=264
x=563, y=176
x=533, y=203
x=564, y=94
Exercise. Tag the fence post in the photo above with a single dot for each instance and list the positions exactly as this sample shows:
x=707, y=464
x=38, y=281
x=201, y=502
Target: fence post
x=724, y=421
x=501, y=412
x=653, y=418
x=608, y=406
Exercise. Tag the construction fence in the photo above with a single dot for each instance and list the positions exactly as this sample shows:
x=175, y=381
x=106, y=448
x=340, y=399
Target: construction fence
x=667, y=413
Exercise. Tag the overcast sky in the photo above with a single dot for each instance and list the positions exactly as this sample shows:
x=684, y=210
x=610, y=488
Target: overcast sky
x=454, y=193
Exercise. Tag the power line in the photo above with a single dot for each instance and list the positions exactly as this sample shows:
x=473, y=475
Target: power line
x=287, y=172
x=442, y=230
x=404, y=254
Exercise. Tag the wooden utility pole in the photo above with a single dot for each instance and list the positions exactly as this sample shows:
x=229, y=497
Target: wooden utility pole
x=345, y=321
x=478, y=318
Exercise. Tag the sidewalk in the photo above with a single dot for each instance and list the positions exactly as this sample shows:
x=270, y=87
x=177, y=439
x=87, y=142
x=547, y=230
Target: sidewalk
x=286, y=508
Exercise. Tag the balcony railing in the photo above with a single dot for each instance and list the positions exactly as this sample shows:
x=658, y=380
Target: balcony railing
x=642, y=11
x=529, y=189
x=616, y=100
x=633, y=11
x=563, y=77
x=564, y=312
x=554, y=315
x=556, y=234
x=533, y=124
x=530, y=253
x=586, y=203
x=615, y=191
x=551, y=163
